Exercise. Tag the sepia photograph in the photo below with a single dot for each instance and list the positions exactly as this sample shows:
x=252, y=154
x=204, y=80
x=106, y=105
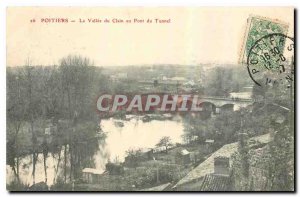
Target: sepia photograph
x=148, y=99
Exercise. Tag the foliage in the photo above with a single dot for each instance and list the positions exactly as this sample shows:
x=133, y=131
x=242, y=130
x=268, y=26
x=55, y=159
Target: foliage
x=17, y=186
x=165, y=142
x=150, y=175
x=133, y=157
x=60, y=185
x=222, y=80
x=114, y=169
x=61, y=97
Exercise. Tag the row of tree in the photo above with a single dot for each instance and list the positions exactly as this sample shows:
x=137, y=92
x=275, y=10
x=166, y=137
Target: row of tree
x=57, y=97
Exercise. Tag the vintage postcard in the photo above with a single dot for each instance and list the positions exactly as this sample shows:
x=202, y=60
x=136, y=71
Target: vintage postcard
x=150, y=99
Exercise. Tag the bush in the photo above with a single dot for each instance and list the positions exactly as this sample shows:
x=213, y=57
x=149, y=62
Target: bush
x=60, y=185
x=17, y=186
x=114, y=169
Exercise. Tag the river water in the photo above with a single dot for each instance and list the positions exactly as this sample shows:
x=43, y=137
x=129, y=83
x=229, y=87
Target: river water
x=121, y=136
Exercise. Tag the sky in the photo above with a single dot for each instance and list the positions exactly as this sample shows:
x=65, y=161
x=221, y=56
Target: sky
x=193, y=36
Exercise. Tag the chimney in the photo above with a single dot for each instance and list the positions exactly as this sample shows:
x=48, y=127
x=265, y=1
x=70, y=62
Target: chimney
x=221, y=165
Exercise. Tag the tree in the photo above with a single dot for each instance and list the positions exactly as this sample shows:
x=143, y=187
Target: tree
x=32, y=110
x=243, y=151
x=195, y=126
x=76, y=79
x=133, y=157
x=15, y=117
x=45, y=149
x=65, y=94
x=227, y=124
x=281, y=163
x=220, y=81
x=114, y=168
x=165, y=142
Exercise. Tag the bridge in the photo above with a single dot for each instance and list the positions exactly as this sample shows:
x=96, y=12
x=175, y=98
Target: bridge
x=217, y=104
x=221, y=101
x=213, y=104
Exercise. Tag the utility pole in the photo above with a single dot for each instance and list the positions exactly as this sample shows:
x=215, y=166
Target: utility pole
x=157, y=170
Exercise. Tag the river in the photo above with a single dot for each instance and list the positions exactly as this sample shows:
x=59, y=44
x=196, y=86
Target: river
x=121, y=135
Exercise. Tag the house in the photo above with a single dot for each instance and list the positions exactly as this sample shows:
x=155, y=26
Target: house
x=91, y=175
x=212, y=182
x=218, y=180
x=221, y=166
x=240, y=95
x=145, y=154
x=51, y=129
x=114, y=168
x=202, y=177
x=189, y=83
x=181, y=79
x=245, y=93
x=119, y=76
x=48, y=131
x=183, y=157
x=209, y=146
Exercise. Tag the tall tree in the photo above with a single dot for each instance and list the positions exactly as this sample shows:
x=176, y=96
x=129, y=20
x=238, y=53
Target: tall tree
x=77, y=75
x=15, y=117
x=165, y=142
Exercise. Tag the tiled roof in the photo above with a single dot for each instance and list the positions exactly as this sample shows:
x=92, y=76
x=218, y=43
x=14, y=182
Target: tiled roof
x=212, y=182
x=207, y=167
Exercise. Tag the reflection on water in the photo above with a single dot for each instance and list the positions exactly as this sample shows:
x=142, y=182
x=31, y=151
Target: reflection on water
x=25, y=170
x=137, y=134
x=133, y=133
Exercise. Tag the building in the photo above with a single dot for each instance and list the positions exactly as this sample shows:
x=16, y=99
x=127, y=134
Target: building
x=91, y=175
x=144, y=154
x=183, y=157
x=119, y=76
x=51, y=130
x=221, y=166
x=214, y=172
x=209, y=146
x=245, y=93
x=219, y=180
x=212, y=182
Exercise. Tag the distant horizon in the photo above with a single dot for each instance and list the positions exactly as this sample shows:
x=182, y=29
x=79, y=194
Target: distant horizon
x=140, y=65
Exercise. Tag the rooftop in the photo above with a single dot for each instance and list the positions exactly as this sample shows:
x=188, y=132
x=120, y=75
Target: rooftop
x=212, y=182
x=92, y=171
x=184, y=152
x=207, y=167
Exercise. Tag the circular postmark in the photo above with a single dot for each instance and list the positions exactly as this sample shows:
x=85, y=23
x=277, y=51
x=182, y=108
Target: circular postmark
x=271, y=60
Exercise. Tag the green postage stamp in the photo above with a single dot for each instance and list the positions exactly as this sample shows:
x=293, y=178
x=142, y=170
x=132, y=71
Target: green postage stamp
x=257, y=27
x=268, y=52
